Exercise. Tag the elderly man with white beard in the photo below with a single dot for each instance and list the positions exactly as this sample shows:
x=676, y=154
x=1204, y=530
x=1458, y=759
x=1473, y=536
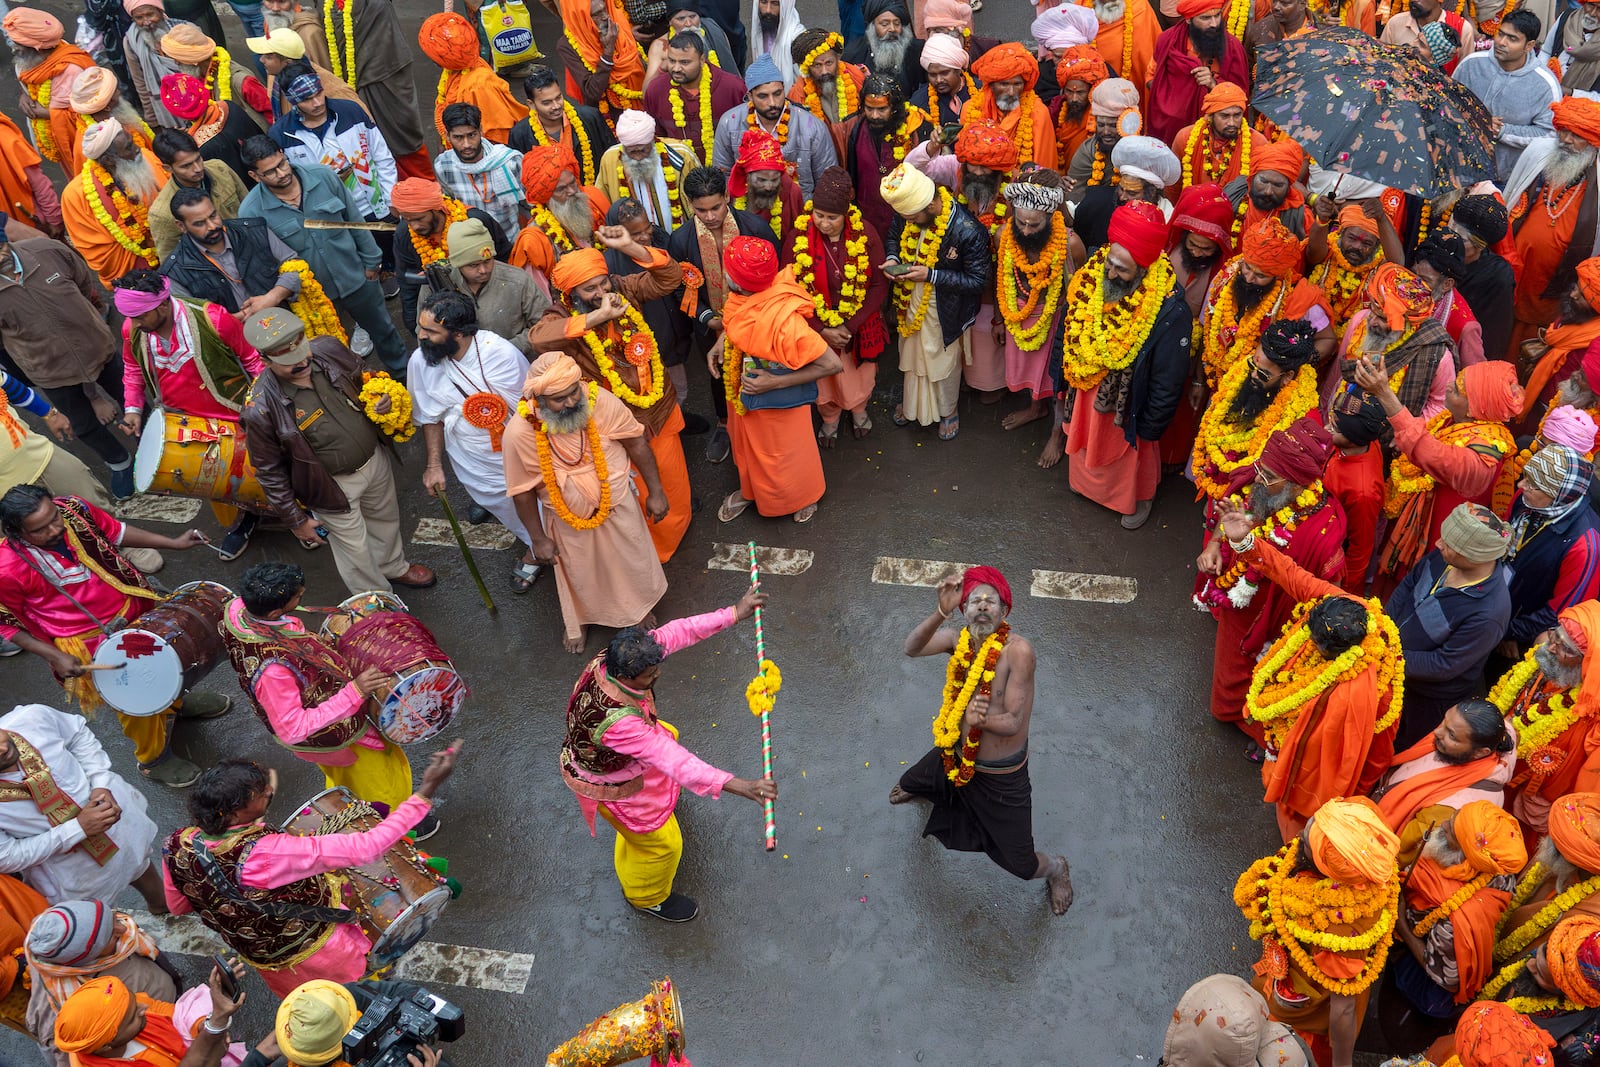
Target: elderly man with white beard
x=96, y=97
x=1127, y=39
x=147, y=64
x=889, y=44
x=638, y=166
x=113, y=164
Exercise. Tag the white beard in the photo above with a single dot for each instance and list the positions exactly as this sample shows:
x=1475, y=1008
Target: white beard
x=1377, y=338
x=1564, y=167
x=642, y=174
x=1571, y=393
x=277, y=20
x=1109, y=11
x=888, y=56
x=136, y=177
x=1007, y=104
x=573, y=214
x=126, y=114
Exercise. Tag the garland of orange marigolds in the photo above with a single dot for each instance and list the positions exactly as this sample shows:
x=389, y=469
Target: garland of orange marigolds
x=431, y=250
x=1099, y=339
x=312, y=306
x=846, y=85
x=1511, y=946
x=1406, y=479
x=680, y=115
x=1344, y=283
x=1456, y=902
x=1230, y=339
x=1215, y=164
x=1541, y=715
x=547, y=465
x=41, y=127
x=580, y=139
x=131, y=228
x=927, y=243
x=1046, y=276
x=780, y=133
x=853, y=290
x=1222, y=447
x=396, y=423
x=639, y=347
x=971, y=672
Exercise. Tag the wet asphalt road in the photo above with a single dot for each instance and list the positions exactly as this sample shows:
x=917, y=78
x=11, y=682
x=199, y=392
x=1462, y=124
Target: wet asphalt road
x=857, y=942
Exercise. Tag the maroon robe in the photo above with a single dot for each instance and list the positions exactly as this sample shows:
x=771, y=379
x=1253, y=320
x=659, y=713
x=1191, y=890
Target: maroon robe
x=1175, y=97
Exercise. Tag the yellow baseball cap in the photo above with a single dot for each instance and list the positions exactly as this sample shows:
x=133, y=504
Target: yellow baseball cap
x=281, y=41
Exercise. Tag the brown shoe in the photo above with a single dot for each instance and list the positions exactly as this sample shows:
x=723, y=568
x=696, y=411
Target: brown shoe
x=417, y=577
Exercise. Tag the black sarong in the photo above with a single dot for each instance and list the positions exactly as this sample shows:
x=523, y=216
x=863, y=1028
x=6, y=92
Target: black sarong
x=992, y=814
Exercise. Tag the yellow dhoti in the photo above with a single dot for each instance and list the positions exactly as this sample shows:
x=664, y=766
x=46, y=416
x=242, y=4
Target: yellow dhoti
x=379, y=775
x=646, y=862
x=147, y=732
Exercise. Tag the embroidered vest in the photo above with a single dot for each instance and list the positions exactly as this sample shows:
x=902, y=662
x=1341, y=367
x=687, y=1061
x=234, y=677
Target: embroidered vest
x=318, y=669
x=590, y=713
x=261, y=939
x=219, y=366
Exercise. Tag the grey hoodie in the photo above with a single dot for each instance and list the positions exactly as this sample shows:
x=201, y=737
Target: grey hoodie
x=1520, y=97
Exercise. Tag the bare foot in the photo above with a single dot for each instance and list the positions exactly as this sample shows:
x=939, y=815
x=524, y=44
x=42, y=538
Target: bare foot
x=1060, y=886
x=575, y=644
x=1055, y=450
x=104, y=410
x=900, y=796
x=1032, y=413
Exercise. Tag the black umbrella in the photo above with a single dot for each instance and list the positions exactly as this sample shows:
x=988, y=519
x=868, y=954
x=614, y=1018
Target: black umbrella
x=1375, y=111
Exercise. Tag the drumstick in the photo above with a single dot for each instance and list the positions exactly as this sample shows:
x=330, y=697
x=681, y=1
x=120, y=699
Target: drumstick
x=103, y=666
x=314, y=609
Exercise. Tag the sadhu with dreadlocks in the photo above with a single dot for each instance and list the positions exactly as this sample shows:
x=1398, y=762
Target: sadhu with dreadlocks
x=877, y=140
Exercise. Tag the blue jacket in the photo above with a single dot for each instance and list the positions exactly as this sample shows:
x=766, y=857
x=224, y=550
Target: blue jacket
x=1539, y=588
x=339, y=258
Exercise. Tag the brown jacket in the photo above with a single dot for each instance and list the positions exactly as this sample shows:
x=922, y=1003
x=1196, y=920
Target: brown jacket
x=287, y=468
x=50, y=321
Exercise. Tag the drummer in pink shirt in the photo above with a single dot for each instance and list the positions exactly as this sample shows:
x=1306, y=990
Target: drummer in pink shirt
x=274, y=897
x=190, y=358
x=308, y=695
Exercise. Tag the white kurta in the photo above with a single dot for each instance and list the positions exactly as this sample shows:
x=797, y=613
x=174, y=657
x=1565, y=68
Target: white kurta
x=46, y=856
x=493, y=365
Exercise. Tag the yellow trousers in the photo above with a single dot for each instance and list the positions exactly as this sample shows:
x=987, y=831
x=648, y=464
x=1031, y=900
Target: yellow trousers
x=646, y=863
x=148, y=734
x=381, y=776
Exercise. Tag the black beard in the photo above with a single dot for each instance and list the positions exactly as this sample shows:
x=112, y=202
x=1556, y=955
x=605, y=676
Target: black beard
x=1197, y=265
x=1358, y=258
x=1251, y=400
x=880, y=127
x=1076, y=109
x=1246, y=295
x=1208, y=43
x=1267, y=201
x=769, y=23
x=1031, y=243
x=1572, y=313
x=436, y=352
x=1453, y=761
x=981, y=190
x=1418, y=11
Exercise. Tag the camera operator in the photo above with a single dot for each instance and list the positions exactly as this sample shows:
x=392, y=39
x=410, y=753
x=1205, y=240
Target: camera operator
x=314, y=1020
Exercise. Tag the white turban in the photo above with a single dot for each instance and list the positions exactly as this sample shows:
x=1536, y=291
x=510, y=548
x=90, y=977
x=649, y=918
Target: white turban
x=635, y=129
x=98, y=138
x=942, y=49
x=1066, y=26
x=1147, y=159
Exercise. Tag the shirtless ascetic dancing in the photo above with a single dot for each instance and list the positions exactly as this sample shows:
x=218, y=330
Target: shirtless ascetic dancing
x=976, y=775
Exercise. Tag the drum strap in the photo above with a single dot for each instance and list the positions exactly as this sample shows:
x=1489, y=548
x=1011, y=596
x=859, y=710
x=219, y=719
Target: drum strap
x=276, y=909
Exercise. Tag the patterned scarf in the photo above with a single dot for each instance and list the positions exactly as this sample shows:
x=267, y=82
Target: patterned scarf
x=711, y=246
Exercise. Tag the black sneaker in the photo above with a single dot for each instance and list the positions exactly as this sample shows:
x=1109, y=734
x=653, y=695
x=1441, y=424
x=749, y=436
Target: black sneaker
x=426, y=828
x=122, y=483
x=677, y=908
x=477, y=514
x=238, y=538
x=720, y=445
x=391, y=284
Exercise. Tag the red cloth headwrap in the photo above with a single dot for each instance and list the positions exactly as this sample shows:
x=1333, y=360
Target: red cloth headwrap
x=1203, y=209
x=751, y=263
x=758, y=150
x=1006, y=61
x=976, y=576
x=1298, y=453
x=1141, y=229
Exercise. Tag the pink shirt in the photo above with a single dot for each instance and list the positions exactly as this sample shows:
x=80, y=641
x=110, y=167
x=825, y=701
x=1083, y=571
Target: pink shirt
x=43, y=611
x=178, y=383
x=665, y=765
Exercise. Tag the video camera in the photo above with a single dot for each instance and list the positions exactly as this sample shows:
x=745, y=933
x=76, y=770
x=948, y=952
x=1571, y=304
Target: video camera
x=393, y=1027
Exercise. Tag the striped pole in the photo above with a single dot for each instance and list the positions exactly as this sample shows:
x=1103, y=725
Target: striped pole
x=766, y=717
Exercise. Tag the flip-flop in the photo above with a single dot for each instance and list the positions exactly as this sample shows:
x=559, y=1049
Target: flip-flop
x=829, y=435
x=862, y=427
x=948, y=428
x=731, y=508
x=806, y=514
x=899, y=416
x=523, y=575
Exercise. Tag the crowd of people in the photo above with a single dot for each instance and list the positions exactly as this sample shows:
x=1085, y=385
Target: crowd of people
x=1386, y=404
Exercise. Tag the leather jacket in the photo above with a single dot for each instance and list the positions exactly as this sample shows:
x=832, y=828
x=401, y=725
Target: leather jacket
x=965, y=270
x=294, y=478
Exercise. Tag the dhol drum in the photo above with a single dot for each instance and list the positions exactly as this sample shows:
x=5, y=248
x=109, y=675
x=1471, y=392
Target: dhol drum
x=397, y=897
x=185, y=455
x=427, y=692
x=358, y=607
x=164, y=651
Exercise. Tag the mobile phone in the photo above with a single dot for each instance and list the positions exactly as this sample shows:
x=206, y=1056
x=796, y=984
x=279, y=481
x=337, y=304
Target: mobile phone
x=896, y=269
x=230, y=984
x=949, y=132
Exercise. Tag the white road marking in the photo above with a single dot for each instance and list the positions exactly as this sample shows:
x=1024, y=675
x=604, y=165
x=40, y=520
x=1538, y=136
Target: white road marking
x=786, y=561
x=430, y=962
x=149, y=508
x=490, y=536
x=1053, y=585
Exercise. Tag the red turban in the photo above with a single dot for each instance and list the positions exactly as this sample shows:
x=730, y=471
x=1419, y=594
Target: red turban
x=985, y=144
x=1271, y=248
x=185, y=95
x=1577, y=115
x=1404, y=297
x=1141, y=229
x=1492, y=1034
x=758, y=150
x=1589, y=283
x=1491, y=389
x=1203, y=210
x=1004, y=62
x=1224, y=96
x=1188, y=9
x=1298, y=453
x=1284, y=157
x=973, y=577
x=413, y=195
x=450, y=41
x=542, y=167
x=1082, y=63
x=751, y=263
x=576, y=267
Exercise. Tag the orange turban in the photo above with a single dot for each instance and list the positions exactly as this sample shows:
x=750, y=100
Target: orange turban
x=185, y=43
x=1352, y=217
x=551, y=375
x=450, y=41
x=416, y=194
x=1574, y=824
x=1082, y=63
x=1283, y=157
x=1271, y=248
x=1573, y=956
x=1004, y=62
x=1221, y=98
x=575, y=268
x=32, y=28
x=542, y=167
x=1490, y=836
x=1492, y=390
x=1577, y=115
x=1491, y=1034
x=1351, y=843
x=1188, y=9
x=985, y=144
x=92, y=1015
x=1404, y=297
x=1589, y=281
x=1581, y=624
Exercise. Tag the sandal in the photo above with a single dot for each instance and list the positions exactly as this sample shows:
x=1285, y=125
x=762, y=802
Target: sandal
x=828, y=435
x=523, y=575
x=949, y=427
x=899, y=416
x=806, y=514
x=732, y=507
x=862, y=426
x=1255, y=753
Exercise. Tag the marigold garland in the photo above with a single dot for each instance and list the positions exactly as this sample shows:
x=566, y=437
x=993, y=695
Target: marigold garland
x=972, y=112
x=1046, y=277
x=1407, y=480
x=1125, y=68
x=1514, y=944
x=580, y=139
x=344, y=63
x=396, y=423
x=927, y=243
x=845, y=85
x=780, y=133
x=1343, y=282
x=222, y=75
x=680, y=117
x=1204, y=138
x=761, y=694
x=540, y=216
x=1239, y=19
x=639, y=347
x=312, y=306
x=1101, y=339
x=853, y=291
x=969, y=673
x=431, y=250
x=1223, y=447
x=1457, y=900
x=547, y=467
x=1230, y=339
x=1236, y=586
x=131, y=227
x=732, y=375
x=607, y=107
x=1097, y=169
x=933, y=97
x=42, y=137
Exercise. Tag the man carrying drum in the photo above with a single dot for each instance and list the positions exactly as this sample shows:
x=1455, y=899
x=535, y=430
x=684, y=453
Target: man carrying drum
x=190, y=358
x=65, y=586
x=276, y=898
x=308, y=696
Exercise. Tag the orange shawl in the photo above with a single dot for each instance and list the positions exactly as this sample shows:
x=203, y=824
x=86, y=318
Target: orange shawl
x=1562, y=339
x=1471, y=925
x=1400, y=805
x=63, y=120
x=481, y=87
x=16, y=156
x=1330, y=749
x=628, y=70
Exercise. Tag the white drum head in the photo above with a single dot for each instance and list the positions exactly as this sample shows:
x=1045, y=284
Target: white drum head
x=421, y=704
x=147, y=458
x=149, y=680
x=409, y=927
